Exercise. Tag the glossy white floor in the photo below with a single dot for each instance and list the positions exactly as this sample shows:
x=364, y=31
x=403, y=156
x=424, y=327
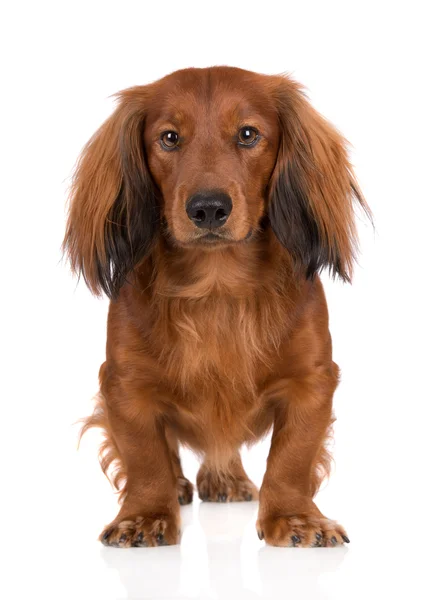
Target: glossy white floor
x=52, y=549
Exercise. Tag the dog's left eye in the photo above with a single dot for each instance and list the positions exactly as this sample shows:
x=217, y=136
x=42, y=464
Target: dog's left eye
x=169, y=139
x=247, y=136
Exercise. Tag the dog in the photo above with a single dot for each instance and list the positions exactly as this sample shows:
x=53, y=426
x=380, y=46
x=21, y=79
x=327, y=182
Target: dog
x=205, y=208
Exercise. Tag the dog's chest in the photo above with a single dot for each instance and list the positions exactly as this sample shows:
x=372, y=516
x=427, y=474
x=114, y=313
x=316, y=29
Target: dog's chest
x=216, y=345
x=215, y=361
x=215, y=352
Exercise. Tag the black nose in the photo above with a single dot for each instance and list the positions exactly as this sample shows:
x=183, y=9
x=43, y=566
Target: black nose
x=209, y=210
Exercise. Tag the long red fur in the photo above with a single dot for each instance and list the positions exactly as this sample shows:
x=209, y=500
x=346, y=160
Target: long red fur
x=212, y=345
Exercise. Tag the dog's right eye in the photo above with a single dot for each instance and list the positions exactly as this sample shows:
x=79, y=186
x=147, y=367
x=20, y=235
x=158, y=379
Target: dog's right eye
x=169, y=140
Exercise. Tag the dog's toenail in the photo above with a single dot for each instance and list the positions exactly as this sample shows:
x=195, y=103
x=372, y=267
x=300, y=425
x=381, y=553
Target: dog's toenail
x=261, y=535
x=334, y=540
x=248, y=497
x=295, y=539
x=106, y=534
x=318, y=536
x=160, y=538
x=345, y=538
x=123, y=537
x=139, y=541
x=181, y=500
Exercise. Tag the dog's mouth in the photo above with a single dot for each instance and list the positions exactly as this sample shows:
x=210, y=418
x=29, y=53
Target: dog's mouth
x=208, y=238
x=213, y=238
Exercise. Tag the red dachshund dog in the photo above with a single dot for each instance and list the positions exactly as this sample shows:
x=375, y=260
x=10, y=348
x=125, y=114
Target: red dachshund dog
x=205, y=207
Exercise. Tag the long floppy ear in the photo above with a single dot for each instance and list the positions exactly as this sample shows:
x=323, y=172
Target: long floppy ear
x=113, y=214
x=312, y=187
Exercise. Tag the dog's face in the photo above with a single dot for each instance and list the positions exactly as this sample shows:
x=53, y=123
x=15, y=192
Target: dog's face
x=211, y=142
x=201, y=157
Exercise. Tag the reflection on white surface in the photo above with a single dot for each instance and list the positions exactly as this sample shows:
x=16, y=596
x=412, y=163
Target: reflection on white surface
x=220, y=556
x=51, y=549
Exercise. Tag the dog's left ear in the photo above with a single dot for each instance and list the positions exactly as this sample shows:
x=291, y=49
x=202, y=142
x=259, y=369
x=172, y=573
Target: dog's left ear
x=312, y=187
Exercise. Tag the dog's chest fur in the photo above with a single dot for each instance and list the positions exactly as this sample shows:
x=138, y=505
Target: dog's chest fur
x=216, y=337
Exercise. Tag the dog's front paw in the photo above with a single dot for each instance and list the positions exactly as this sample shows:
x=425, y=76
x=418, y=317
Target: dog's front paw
x=301, y=531
x=141, y=531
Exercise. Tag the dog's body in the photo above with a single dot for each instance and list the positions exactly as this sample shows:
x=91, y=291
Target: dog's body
x=205, y=207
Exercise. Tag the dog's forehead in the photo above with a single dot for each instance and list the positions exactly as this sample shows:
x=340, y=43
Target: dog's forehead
x=219, y=91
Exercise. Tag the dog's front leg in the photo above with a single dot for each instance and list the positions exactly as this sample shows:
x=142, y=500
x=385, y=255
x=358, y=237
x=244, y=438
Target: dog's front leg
x=150, y=514
x=288, y=515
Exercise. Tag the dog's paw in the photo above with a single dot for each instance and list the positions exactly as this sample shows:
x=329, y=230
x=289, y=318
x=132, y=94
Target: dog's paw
x=301, y=532
x=211, y=489
x=142, y=531
x=185, y=491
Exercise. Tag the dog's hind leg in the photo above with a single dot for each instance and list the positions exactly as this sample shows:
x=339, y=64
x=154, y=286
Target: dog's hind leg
x=230, y=484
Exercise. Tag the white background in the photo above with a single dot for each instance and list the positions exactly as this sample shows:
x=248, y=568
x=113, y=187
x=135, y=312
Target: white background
x=364, y=64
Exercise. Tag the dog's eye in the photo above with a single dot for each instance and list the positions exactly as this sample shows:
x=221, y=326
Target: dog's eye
x=169, y=139
x=247, y=136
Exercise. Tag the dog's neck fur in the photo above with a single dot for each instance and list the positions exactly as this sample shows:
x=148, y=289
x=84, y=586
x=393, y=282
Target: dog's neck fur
x=194, y=298
x=237, y=271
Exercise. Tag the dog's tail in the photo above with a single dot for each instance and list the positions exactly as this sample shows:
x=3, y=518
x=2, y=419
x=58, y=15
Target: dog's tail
x=108, y=455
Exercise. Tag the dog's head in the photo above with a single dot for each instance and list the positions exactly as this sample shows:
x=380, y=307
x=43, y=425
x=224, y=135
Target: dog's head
x=204, y=157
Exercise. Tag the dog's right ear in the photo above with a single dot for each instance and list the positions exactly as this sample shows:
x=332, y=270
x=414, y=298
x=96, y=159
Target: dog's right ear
x=114, y=210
